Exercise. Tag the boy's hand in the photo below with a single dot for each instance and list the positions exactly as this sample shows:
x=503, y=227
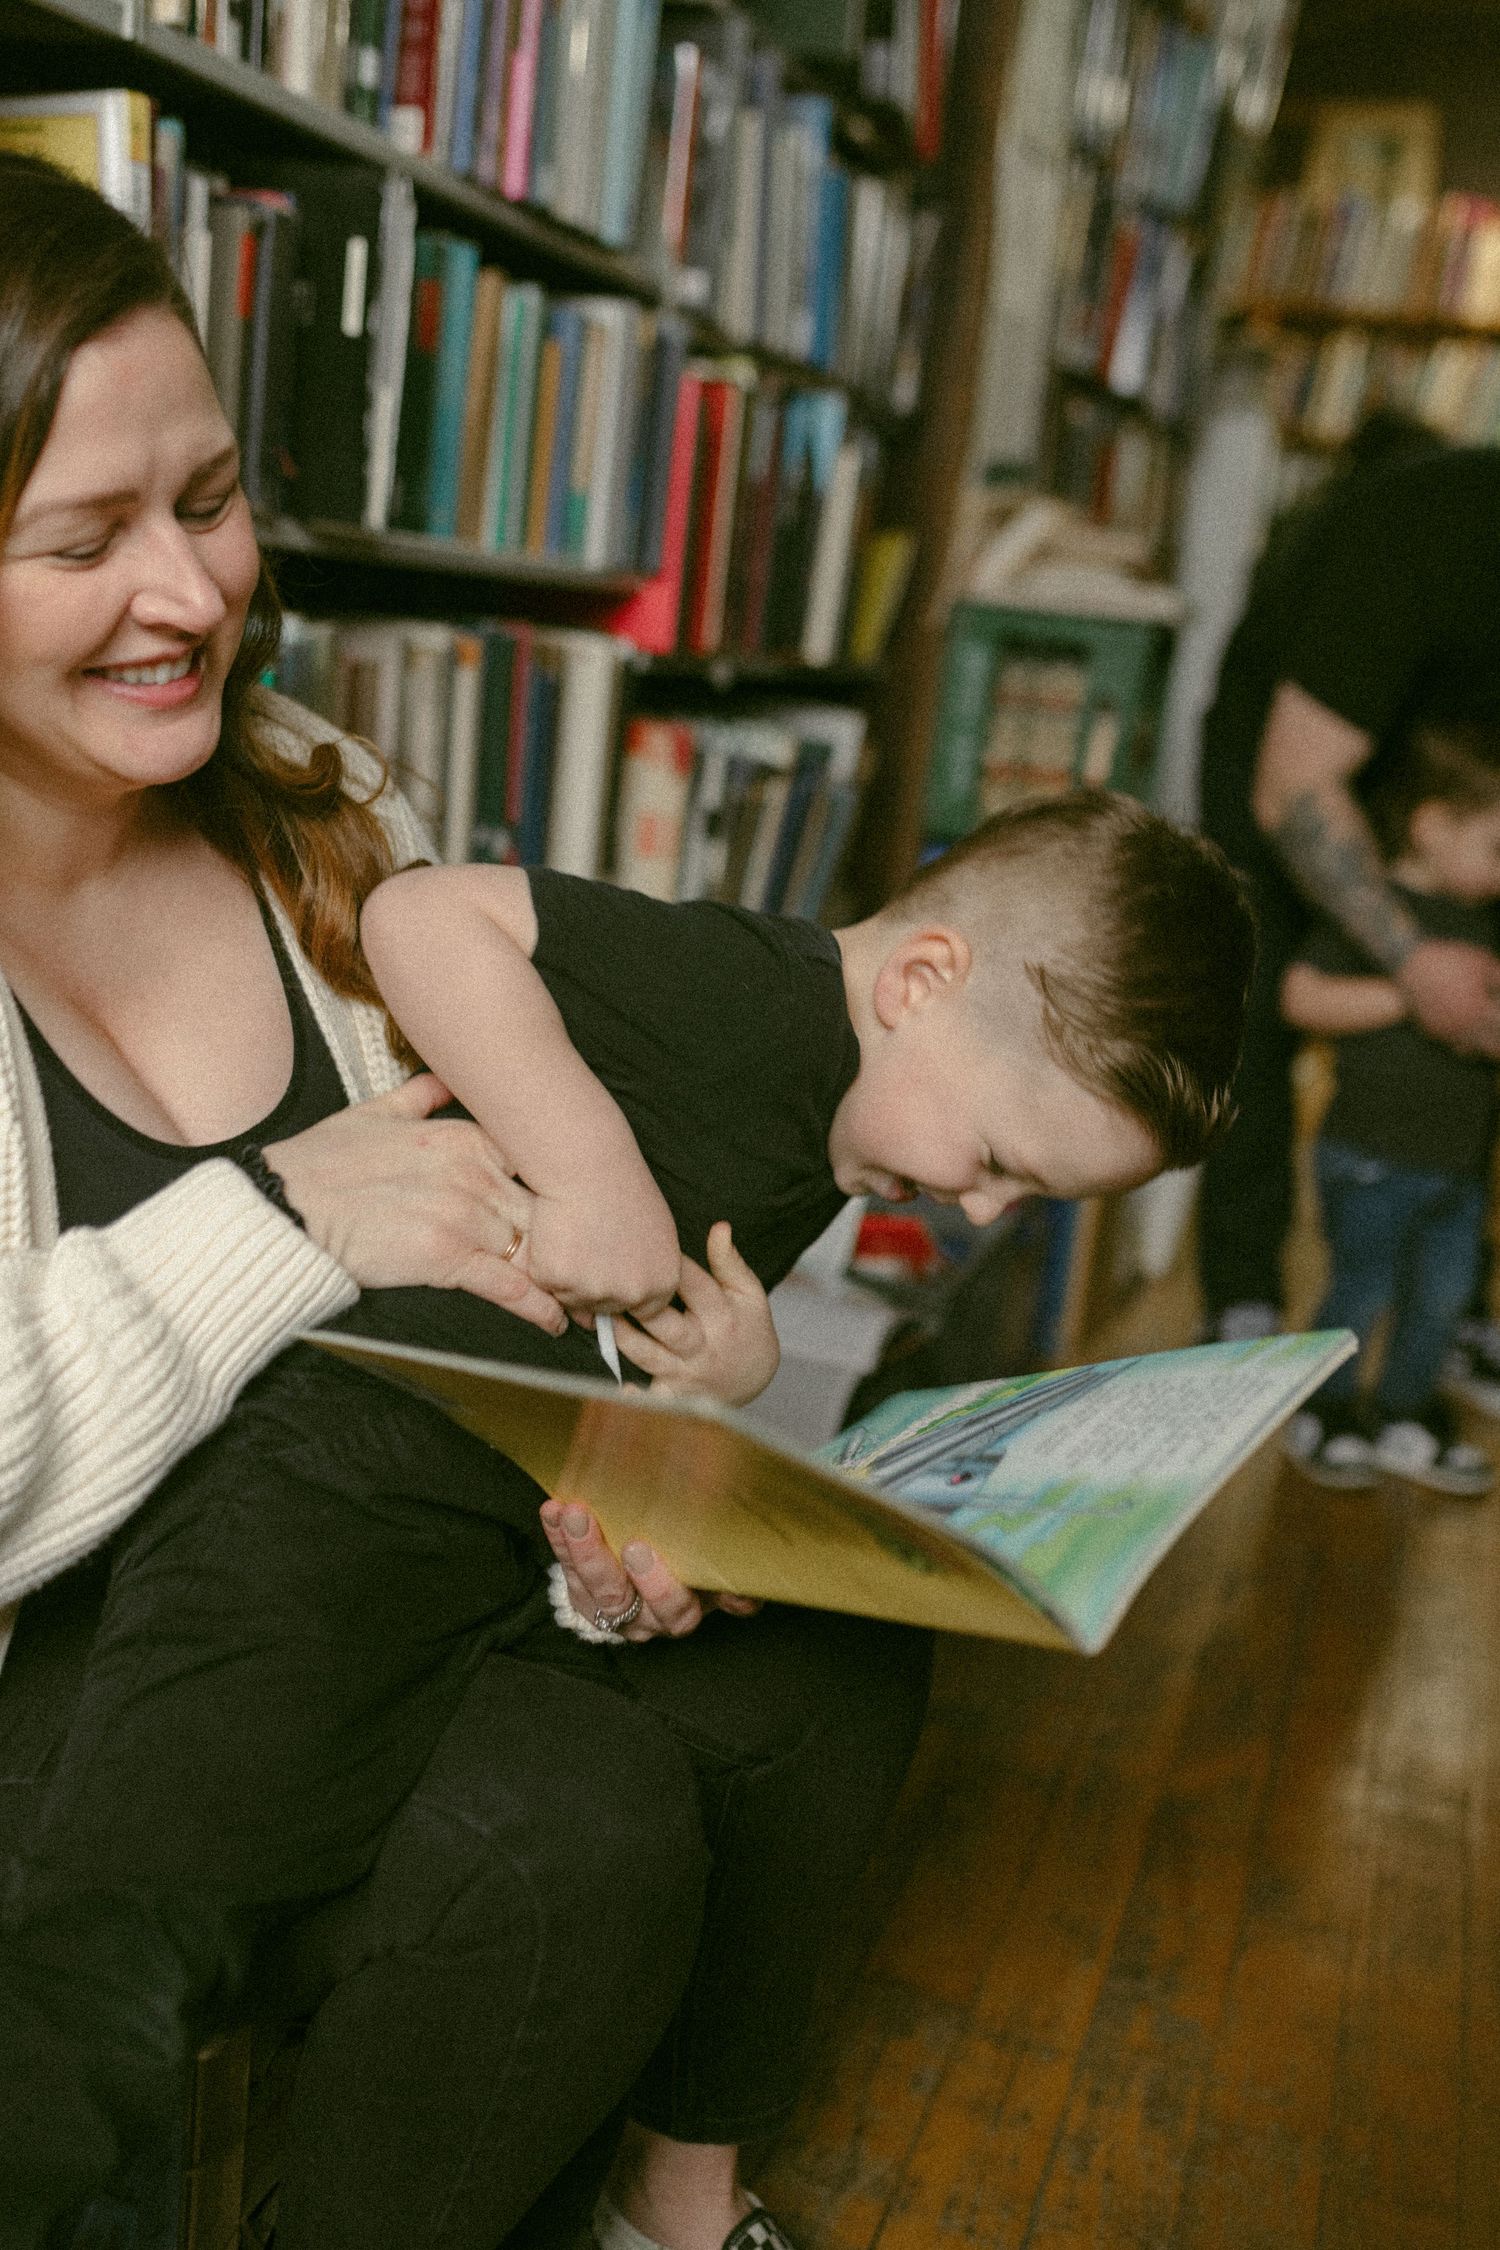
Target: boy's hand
x=723, y=1344
x=611, y=1246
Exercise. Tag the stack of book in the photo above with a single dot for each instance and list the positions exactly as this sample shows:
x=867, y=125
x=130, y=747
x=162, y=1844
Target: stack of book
x=507, y=738
x=502, y=733
x=749, y=218
x=1357, y=254
x=752, y=811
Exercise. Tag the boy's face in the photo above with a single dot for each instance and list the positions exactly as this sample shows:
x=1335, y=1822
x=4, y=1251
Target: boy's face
x=980, y=1121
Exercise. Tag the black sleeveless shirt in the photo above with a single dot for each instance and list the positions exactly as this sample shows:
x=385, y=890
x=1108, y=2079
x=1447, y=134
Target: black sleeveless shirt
x=105, y=1167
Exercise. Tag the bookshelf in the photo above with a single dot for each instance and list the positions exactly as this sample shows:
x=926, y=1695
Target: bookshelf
x=1363, y=300
x=564, y=547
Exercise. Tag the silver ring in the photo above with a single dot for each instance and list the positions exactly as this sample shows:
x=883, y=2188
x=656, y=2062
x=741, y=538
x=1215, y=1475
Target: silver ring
x=604, y=1623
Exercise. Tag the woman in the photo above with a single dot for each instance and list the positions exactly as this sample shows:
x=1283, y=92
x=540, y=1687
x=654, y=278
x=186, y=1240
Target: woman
x=187, y=1041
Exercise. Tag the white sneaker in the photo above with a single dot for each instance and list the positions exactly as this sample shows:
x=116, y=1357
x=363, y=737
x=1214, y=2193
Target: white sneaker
x=756, y=2231
x=1423, y=1456
x=1329, y=1452
x=1471, y=1371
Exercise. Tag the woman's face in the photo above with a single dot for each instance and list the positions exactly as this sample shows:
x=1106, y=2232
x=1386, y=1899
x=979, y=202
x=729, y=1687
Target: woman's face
x=127, y=573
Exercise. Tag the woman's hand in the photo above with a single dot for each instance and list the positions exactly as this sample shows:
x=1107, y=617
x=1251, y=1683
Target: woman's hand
x=403, y=1198
x=600, y=1581
x=607, y=1245
x=723, y=1344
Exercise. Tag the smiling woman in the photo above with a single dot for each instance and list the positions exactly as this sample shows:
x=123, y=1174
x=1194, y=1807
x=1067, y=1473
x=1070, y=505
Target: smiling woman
x=510, y=1879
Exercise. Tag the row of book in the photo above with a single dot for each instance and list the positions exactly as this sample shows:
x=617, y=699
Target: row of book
x=545, y=101
x=508, y=739
x=1148, y=99
x=750, y=218
x=561, y=103
x=1358, y=253
x=1322, y=388
x=1124, y=298
x=768, y=545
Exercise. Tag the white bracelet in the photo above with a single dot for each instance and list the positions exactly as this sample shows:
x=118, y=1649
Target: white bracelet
x=569, y=1618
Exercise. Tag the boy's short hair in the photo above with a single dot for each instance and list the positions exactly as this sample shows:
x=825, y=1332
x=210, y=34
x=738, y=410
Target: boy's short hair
x=1143, y=989
x=1453, y=762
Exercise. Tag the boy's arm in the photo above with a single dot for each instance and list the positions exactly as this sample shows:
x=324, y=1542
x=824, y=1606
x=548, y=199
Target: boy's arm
x=450, y=949
x=1332, y=1006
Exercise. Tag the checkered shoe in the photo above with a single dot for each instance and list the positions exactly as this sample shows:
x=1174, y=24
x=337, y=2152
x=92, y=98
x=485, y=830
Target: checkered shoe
x=756, y=2231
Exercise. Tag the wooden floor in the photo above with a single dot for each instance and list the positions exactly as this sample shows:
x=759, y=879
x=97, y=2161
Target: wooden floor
x=1194, y=1945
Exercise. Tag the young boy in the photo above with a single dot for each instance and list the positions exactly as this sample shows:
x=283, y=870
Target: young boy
x=1052, y=1008
x=1404, y=1155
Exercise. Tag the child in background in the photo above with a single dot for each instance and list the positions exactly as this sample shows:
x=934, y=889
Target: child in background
x=1404, y=1155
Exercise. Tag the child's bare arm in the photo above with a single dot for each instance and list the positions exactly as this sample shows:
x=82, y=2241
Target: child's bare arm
x=450, y=949
x=723, y=1342
x=1317, y=1001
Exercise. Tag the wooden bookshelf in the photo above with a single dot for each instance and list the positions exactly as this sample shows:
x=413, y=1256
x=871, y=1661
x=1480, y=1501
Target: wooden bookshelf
x=449, y=558
x=1316, y=315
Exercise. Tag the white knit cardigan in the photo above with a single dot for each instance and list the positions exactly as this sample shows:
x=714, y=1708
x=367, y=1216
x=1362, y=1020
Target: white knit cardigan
x=122, y=1346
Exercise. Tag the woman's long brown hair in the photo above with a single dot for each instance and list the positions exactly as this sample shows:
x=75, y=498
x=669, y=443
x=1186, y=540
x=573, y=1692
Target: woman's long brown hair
x=71, y=266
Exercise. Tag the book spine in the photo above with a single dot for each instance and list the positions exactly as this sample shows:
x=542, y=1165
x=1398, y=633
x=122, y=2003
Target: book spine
x=410, y=120
x=650, y=615
x=520, y=98
x=656, y=778
x=450, y=374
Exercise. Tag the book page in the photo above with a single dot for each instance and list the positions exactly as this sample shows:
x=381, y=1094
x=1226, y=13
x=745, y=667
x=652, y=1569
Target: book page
x=1077, y=1483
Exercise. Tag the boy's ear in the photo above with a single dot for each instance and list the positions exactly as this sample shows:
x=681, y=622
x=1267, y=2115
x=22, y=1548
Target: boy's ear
x=925, y=965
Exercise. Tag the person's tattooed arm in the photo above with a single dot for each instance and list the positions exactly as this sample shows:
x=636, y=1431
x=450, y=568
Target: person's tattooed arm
x=1330, y=854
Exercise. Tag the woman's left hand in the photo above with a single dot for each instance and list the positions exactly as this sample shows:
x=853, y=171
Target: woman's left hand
x=604, y=1583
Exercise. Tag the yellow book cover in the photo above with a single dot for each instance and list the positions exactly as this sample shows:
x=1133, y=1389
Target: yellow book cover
x=1028, y=1508
x=102, y=136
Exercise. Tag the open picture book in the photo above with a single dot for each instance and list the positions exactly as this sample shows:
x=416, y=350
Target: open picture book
x=1029, y=1508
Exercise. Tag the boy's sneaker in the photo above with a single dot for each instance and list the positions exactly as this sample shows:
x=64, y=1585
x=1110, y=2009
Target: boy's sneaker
x=1426, y=1450
x=1332, y=1446
x=1472, y=1369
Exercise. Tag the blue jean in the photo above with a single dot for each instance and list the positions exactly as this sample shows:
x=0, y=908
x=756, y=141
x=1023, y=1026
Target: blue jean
x=1407, y=1243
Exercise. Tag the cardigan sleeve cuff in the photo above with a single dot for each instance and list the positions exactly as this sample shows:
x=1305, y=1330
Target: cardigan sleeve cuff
x=228, y=1273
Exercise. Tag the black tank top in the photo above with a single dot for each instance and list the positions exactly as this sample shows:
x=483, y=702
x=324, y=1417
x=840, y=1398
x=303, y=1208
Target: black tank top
x=105, y=1167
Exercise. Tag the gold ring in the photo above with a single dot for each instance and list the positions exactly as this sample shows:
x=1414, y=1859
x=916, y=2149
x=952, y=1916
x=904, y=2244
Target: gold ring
x=514, y=1244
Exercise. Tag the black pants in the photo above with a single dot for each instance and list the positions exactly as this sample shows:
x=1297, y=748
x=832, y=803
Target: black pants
x=322, y=1719
x=1245, y=1204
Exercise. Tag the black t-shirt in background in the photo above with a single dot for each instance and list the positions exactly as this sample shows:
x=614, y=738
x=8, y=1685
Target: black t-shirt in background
x=1384, y=601
x=725, y=1037
x=1401, y=1096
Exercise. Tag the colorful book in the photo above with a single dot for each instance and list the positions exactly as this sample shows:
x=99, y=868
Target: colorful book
x=650, y=615
x=1027, y=1507
x=460, y=273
